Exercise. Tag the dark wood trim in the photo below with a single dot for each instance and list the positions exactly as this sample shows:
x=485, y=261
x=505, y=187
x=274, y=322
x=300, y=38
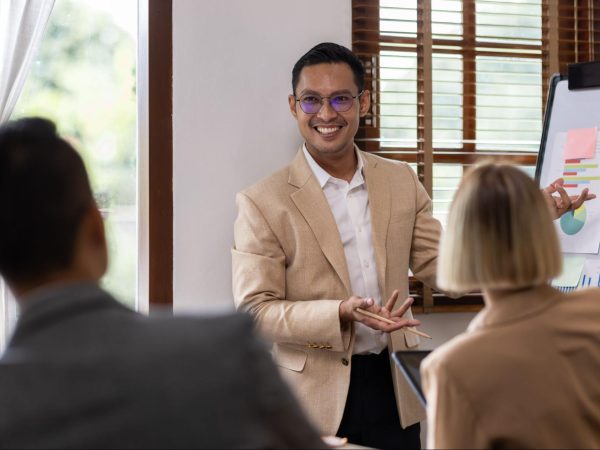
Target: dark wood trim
x=469, y=77
x=160, y=69
x=369, y=125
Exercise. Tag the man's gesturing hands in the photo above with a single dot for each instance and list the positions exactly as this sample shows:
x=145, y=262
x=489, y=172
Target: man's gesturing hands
x=348, y=313
x=563, y=202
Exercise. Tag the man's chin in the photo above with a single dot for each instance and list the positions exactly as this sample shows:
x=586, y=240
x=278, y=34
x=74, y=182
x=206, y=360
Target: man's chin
x=329, y=150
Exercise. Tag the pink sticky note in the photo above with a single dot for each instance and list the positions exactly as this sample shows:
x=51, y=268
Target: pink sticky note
x=581, y=143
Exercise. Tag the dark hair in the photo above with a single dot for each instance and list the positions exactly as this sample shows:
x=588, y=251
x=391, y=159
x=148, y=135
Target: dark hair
x=44, y=193
x=328, y=52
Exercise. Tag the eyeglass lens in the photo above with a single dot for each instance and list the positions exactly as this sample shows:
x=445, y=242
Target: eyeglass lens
x=311, y=104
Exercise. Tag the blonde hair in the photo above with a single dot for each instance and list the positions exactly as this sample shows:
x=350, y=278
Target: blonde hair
x=500, y=233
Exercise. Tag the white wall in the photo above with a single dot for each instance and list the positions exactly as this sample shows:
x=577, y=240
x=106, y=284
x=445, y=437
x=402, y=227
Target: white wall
x=232, y=63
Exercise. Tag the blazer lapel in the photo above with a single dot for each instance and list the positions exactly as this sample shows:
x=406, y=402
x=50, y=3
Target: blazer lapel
x=312, y=204
x=379, y=204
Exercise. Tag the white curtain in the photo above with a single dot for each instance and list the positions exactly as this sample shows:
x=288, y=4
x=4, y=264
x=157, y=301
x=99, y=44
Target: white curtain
x=22, y=25
x=8, y=314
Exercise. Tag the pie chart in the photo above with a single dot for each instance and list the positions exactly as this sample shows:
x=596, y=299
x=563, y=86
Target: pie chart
x=573, y=221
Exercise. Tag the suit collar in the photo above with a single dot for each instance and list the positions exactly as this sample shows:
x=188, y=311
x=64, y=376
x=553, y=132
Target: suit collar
x=300, y=171
x=48, y=306
x=516, y=306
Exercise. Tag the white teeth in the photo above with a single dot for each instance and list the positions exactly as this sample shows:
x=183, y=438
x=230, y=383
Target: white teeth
x=327, y=130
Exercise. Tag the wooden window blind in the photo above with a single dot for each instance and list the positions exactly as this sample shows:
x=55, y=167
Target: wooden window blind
x=457, y=81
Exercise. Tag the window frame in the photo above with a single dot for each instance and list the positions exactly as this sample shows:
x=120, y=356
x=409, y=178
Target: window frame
x=154, y=167
x=155, y=257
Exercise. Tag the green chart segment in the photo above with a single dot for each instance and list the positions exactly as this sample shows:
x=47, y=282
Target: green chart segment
x=573, y=221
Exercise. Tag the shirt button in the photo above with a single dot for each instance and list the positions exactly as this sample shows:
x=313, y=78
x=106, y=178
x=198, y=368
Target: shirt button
x=366, y=264
x=345, y=361
x=359, y=229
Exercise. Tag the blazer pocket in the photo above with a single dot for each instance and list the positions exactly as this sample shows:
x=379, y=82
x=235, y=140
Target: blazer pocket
x=289, y=358
x=411, y=340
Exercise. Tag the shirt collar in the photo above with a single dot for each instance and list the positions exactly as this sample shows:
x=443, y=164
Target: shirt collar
x=323, y=176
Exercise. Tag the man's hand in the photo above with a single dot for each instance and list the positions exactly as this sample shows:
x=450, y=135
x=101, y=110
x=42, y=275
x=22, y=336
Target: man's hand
x=561, y=203
x=348, y=313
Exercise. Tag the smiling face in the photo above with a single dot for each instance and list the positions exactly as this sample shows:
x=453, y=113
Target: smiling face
x=329, y=134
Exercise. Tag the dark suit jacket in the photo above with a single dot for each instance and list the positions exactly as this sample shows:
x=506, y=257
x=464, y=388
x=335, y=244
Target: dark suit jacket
x=82, y=370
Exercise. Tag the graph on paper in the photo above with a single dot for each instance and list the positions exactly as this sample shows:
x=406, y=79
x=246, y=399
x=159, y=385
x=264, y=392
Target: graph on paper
x=578, y=231
x=579, y=174
x=573, y=221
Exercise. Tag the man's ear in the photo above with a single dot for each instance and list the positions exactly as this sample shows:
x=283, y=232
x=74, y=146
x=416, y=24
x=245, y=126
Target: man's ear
x=98, y=232
x=97, y=239
x=365, y=103
x=292, y=102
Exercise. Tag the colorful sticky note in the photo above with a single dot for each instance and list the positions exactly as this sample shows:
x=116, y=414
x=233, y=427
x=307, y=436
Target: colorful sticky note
x=572, y=268
x=581, y=143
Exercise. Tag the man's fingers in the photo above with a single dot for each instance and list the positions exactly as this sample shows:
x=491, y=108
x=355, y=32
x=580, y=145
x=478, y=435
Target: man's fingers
x=565, y=200
x=392, y=301
x=551, y=188
x=359, y=302
x=388, y=327
x=348, y=307
x=400, y=323
x=403, y=308
x=576, y=202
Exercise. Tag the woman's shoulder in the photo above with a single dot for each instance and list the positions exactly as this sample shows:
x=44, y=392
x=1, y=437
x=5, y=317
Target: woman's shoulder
x=453, y=354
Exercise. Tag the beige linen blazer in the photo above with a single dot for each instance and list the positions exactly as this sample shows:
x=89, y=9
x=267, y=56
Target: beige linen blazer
x=290, y=273
x=526, y=374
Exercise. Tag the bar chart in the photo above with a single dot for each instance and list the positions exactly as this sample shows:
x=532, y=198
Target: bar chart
x=579, y=174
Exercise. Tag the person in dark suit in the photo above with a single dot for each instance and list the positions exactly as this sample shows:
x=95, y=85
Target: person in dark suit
x=81, y=370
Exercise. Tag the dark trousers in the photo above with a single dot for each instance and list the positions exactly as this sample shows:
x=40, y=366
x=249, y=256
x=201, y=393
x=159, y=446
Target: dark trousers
x=371, y=416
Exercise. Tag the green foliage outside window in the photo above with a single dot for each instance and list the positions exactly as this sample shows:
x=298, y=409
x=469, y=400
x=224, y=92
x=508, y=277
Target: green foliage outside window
x=84, y=79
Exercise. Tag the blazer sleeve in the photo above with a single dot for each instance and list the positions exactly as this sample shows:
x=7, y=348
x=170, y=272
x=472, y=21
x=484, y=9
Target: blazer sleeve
x=452, y=420
x=259, y=278
x=426, y=237
x=425, y=240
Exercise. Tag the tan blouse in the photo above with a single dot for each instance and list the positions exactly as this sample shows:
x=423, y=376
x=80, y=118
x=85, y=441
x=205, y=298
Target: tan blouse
x=526, y=374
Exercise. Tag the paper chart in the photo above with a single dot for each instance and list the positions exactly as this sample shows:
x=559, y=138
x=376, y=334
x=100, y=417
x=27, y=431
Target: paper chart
x=578, y=231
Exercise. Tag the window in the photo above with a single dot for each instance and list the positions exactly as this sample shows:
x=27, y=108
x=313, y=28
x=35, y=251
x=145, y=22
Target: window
x=454, y=82
x=84, y=79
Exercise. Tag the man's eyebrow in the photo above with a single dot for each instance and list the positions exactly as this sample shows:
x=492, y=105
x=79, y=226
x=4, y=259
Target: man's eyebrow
x=333, y=94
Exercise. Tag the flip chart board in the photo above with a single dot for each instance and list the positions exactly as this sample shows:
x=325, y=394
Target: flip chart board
x=570, y=149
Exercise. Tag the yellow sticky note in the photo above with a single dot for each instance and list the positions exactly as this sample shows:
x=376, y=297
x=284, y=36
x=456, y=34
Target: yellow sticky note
x=581, y=143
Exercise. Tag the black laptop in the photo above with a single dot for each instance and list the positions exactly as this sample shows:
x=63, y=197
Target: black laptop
x=409, y=363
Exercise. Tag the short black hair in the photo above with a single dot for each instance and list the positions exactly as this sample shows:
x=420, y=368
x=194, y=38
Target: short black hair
x=44, y=194
x=329, y=52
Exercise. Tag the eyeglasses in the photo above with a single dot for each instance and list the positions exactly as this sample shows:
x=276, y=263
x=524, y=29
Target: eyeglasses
x=312, y=103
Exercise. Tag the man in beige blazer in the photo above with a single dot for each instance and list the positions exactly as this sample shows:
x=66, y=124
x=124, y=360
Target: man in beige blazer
x=336, y=230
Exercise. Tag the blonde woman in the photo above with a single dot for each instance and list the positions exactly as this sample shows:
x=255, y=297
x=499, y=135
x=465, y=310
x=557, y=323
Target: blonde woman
x=526, y=374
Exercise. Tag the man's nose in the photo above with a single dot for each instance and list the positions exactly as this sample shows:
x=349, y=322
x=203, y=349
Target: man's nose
x=327, y=112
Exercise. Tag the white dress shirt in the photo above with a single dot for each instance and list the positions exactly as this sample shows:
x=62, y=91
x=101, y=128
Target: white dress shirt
x=349, y=203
